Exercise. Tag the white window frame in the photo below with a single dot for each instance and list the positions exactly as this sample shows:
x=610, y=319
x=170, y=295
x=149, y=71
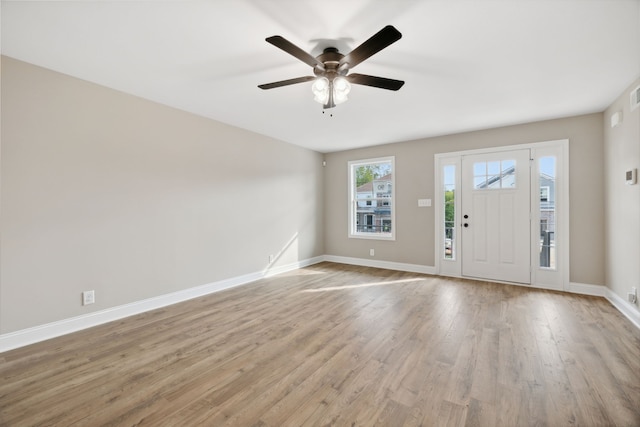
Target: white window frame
x=447, y=266
x=558, y=277
x=353, y=200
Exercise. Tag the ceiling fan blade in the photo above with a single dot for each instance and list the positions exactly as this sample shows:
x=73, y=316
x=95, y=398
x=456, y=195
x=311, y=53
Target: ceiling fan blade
x=286, y=82
x=379, y=82
x=291, y=49
x=375, y=44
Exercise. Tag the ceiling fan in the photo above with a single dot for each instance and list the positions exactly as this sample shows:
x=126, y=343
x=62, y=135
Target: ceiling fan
x=332, y=82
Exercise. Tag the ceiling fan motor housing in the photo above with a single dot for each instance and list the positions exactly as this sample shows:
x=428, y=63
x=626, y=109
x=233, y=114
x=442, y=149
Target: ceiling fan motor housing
x=330, y=57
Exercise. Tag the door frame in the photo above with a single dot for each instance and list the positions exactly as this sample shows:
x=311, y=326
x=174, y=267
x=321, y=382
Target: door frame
x=546, y=278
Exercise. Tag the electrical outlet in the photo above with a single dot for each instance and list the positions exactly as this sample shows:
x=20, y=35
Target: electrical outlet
x=88, y=297
x=372, y=252
x=271, y=257
x=632, y=296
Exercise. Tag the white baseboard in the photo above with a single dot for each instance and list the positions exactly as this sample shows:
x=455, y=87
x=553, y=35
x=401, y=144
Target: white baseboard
x=389, y=265
x=272, y=271
x=585, y=289
x=47, y=331
x=624, y=307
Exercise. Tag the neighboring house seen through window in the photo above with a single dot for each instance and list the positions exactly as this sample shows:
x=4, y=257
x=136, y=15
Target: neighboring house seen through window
x=371, y=191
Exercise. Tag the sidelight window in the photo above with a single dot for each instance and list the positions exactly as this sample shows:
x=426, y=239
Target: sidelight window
x=547, y=226
x=449, y=204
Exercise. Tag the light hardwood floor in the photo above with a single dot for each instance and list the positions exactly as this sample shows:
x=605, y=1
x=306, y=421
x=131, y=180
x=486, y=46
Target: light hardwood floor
x=339, y=345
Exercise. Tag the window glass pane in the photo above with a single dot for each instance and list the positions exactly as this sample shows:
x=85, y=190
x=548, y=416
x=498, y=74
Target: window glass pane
x=480, y=169
x=480, y=182
x=449, y=212
x=493, y=168
x=544, y=194
x=508, y=174
x=547, y=185
x=372, y=192
x=493, y=181
x=494, y=174
x=449, y=177
x=508, y=164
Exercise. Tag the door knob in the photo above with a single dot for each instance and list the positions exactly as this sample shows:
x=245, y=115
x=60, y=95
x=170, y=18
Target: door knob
x=465, y=225
x=466, y=216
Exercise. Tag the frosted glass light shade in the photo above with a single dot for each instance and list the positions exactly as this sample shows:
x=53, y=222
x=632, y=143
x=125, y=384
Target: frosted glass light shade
x=341, y=88
x=320, y=89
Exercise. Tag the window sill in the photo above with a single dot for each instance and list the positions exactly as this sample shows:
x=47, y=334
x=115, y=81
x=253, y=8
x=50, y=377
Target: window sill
x=372, y=236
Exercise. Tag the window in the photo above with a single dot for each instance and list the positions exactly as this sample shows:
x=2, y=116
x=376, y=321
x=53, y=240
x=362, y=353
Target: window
x=372, y=202
x=547, y=184
x=449, y=204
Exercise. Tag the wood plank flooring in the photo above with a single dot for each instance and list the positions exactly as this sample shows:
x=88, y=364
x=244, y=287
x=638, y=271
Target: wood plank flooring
x=339, y=345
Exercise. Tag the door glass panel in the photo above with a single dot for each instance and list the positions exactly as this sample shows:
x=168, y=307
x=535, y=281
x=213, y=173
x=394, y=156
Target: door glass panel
x=493, y=181
x=449, y=180
x=493, y=168
x=480, y=169
x=547, y=185
x=494, y=174
x=508, y=174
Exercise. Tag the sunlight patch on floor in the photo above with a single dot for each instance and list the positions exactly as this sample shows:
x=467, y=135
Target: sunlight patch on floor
x=362, y=285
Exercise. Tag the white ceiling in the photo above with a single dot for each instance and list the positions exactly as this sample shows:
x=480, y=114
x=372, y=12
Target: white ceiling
x=467, y=65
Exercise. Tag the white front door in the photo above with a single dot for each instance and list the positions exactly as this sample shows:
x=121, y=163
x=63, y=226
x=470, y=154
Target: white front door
x=495, y=216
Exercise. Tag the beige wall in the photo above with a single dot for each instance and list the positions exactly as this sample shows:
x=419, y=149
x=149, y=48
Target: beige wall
x=622, y=152
x=102, y=190
x=415, y=235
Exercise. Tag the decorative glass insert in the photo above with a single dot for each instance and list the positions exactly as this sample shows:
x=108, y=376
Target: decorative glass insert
x=547, y=186
x=449, y=183
x=494, y=174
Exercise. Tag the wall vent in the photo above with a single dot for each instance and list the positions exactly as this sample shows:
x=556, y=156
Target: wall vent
x=635, y=98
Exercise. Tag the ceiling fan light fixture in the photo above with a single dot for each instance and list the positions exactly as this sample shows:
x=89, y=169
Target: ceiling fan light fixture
x=320, y=89
x=331, y=85
x=341, y=88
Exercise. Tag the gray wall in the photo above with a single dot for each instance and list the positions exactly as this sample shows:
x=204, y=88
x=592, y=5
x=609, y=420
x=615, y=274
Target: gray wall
x=622, y=152
x=102, y=190
x=415, y=236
